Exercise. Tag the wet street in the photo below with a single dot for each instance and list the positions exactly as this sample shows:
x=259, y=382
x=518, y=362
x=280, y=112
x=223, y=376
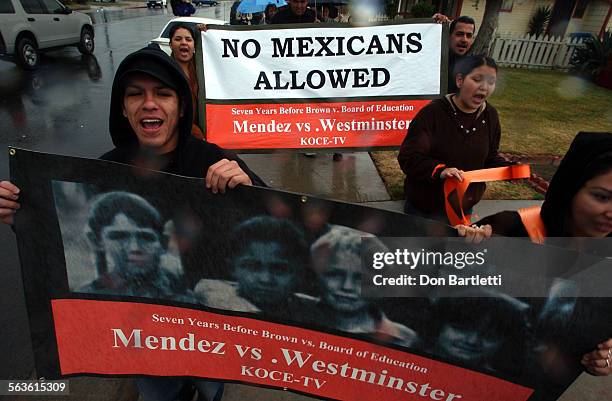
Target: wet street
x=63, y=108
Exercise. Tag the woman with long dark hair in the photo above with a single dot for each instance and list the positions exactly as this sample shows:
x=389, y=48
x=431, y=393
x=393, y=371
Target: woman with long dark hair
x=182, y=43
x=578, y=203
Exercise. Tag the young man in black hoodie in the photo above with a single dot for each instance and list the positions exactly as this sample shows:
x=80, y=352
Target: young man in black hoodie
x=150, y=124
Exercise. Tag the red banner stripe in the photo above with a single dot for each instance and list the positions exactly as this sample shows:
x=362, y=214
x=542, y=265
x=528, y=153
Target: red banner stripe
x=106, y=337
x=311, y=125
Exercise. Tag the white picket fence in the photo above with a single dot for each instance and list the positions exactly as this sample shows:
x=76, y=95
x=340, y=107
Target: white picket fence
x=527, y=51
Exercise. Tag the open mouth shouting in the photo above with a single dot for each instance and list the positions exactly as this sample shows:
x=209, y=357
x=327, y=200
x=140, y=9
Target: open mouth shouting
x=185, y=53
x=153, y=111
x=151, y=125
x=479, y=98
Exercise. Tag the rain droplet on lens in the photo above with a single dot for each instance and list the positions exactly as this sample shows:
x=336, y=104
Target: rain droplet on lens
x=572, y=87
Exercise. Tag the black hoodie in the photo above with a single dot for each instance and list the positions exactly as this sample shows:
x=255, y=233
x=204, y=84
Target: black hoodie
x=192, y=157
x=574, y=170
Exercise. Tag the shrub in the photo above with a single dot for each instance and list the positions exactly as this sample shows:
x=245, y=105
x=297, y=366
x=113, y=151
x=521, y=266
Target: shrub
x=539, y=21
x=422, y=10
x=588, y=60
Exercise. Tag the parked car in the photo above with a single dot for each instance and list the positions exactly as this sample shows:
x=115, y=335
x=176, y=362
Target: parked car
x=28, y=27
x=157, y=3
x=210, y=3
x=163, y=40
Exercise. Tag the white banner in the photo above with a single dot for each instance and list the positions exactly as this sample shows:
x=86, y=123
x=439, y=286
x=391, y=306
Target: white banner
x=330, y=62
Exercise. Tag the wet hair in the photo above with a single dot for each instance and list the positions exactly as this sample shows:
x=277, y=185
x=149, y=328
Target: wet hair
x=470, y=63
x=181, y=26
x=589, y=156
x=108, y=205
x=600, y=165
x=463, y=19
x=270, y=229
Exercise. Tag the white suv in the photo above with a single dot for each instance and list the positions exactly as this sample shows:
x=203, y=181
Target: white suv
x=29, y=26
x=163, y=40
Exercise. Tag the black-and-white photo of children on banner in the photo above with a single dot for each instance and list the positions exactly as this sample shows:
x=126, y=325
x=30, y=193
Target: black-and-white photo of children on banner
x=301, y=268
x=117, y=243
x=268, y=258
x=336, y=261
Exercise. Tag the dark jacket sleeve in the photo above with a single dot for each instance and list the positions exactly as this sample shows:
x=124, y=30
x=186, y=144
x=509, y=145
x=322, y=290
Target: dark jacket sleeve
x=414, y=157
x=507, y=223
x=493, y=158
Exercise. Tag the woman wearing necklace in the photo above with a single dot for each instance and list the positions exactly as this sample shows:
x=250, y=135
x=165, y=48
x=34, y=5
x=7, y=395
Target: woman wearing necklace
x=458, y=132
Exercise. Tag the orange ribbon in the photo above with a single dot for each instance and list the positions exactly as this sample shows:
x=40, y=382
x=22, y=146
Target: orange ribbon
x=489, y=174
x=534, y=225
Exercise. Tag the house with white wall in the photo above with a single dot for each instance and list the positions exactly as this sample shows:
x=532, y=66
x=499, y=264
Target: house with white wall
x=568, y=16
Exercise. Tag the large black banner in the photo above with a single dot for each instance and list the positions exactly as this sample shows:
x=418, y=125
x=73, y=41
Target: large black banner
x=130, y=272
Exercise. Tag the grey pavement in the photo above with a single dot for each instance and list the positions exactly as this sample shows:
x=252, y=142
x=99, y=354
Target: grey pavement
x=483, y=209
x=352, y=179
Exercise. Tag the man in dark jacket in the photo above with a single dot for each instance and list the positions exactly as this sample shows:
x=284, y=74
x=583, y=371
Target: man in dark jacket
x=460, y=41
x=297, y=12
x=150, y=125
x=461, y=38
x=182, y=8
